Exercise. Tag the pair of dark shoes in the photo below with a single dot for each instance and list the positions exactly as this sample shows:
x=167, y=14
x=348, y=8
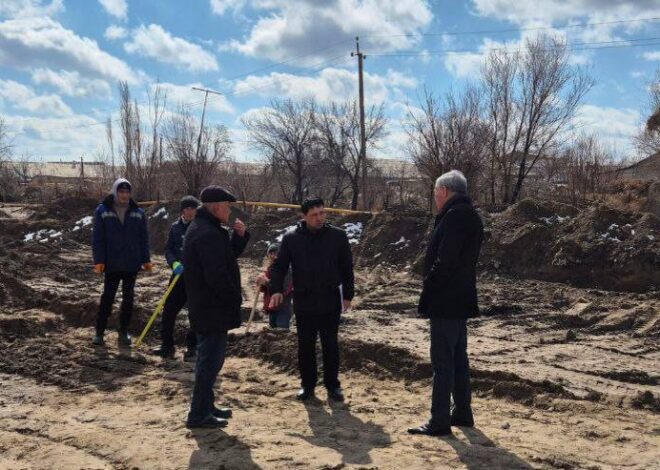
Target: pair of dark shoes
x=429, y=430
x=123, y=339
x=217, y=420
x=167, y=352
x=334, y=394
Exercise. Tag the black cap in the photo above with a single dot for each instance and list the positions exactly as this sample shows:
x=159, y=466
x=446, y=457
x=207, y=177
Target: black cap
x=215, y=193
x=272, y=248
x=188, y=201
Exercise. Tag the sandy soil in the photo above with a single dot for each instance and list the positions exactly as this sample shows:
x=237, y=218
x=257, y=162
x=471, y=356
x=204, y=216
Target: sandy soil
x=563, y=378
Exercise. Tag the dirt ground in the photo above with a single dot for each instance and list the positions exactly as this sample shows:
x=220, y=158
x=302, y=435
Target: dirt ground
x=563, y=377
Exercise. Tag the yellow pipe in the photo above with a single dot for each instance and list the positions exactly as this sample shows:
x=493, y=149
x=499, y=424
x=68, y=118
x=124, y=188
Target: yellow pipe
x=276, y=205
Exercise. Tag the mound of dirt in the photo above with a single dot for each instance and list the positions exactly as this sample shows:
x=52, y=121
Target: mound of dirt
x=598, y=247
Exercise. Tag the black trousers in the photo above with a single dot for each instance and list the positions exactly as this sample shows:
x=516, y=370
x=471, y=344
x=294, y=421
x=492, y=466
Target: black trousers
x=110, y=286
x=451, y=371
x=173, y=305
x=308, y=328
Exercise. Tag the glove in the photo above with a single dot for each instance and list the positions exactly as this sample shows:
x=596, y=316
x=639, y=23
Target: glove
x=177, y=268
x=99, y=268
x=147, y=266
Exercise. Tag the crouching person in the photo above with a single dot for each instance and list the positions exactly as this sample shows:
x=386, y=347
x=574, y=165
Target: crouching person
x=120, y=247
x=278, y=317
x=213, y=285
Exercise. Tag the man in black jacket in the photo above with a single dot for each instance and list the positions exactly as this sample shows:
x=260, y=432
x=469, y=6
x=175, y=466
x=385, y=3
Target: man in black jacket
x=213, y=285
x=323, y=284
x=177, y=298
x=449, y=298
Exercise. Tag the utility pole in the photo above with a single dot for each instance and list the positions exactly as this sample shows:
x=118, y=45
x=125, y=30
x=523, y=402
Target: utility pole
x=363, y=138
x=82, y=175
x=201, y=126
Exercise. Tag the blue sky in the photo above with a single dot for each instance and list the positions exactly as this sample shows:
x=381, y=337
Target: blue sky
x=60, y=60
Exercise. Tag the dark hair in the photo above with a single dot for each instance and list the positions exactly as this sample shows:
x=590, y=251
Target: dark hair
x=310, y=204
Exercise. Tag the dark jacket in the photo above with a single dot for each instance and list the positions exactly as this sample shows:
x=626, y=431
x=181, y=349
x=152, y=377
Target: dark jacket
x=121, y=247
x=213, y=279
x=450, y=265
x=321, y=263
x=174, y=244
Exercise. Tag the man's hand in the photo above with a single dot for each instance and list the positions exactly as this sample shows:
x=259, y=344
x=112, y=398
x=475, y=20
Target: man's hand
x=147, y=267
x=262, y=280
x=275, y=301
x=346, y=305
x=177, y=268
x=99, y=268
x=239, y=227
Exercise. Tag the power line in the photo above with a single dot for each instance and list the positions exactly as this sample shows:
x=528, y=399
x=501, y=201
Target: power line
x=516, y=30
x=570, y=46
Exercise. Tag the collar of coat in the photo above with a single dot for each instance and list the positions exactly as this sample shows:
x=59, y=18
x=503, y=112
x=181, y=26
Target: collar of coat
x=302, y=228
x=454, y=201
x=203, y=213
x=109, y=203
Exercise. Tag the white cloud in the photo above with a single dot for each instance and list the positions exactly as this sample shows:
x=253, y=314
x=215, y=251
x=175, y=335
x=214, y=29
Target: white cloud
x=331, y=84
x=71, y=83
x=655, y=55
x=219, y=7
x=154, y=42
x=614, y=126
x=28, y=8
x=26, y=43
x=546, y=13
x=185, y=94
x=113, y=32
x=300, y=27
x=116, y=8
x=24, y=98
x=51, y=138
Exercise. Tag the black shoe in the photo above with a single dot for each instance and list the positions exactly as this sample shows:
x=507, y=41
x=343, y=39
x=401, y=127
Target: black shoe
x=164, y=352
x=463, y=423
x=190, y=355
x=98, y=340
x=222, y=413
x=124, y=339
x=210, y=423
x=305, y=394
x=426, y=430
x=336, y=394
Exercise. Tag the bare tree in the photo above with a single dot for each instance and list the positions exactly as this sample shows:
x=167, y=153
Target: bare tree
x=8, y=182
x=648, y=140
x=285, y=134
x=586, y=165
x=338, y=127
x=142, y=156
x=532, y=98
x=448, y=134
x=196, y=168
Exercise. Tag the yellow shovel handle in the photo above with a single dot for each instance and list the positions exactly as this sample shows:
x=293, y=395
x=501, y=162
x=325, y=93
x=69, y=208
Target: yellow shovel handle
x=159, y=308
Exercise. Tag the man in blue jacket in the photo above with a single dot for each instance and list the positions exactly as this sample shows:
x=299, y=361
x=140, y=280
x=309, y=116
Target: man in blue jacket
x=177, y=298
x=120, y=247
x=448, y=299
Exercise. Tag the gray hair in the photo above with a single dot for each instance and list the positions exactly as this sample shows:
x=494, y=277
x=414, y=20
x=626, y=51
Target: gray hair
x=454, y=181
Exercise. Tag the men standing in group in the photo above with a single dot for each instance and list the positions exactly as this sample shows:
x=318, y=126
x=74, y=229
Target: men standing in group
x=323, y=285
x=177, y=298
x=449, y=298
x=213, y=285
x=120, y=247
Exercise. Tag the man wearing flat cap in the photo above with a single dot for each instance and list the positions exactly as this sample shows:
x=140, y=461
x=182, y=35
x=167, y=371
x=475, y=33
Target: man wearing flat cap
x=177, y=298
x=213, y=285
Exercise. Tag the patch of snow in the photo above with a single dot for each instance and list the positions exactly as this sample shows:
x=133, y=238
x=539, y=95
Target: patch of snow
x=651, y=237
x=354, y=232
x=401, y=244
x=42, y=235
x=162, y=212
x=284, y=231
x=555, y=219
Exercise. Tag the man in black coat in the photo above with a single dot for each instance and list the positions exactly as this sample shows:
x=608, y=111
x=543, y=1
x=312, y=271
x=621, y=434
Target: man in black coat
x=449, y=298
x=323, y=285
x=177, y=298
x=213, y=285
